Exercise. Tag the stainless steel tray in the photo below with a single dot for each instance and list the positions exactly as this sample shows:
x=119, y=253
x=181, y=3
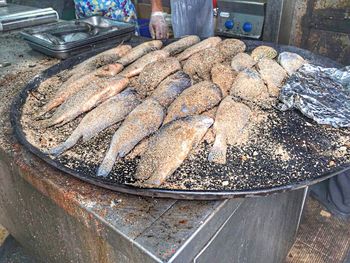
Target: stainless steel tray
x=3, y=3
x=67, y=53
x=66, y=35
x=18, y=16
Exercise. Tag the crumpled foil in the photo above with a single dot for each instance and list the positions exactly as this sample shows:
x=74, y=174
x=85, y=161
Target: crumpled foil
x=322, y=94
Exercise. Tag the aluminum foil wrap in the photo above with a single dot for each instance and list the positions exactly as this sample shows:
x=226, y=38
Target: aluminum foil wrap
x=322, y=94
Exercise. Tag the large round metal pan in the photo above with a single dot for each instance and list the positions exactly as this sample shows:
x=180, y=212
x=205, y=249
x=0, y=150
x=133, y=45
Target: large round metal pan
x=19, y=101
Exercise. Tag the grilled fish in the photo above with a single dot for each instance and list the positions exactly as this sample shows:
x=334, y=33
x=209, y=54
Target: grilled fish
x=242, y=61
x=261, y=52
x=155, y=72
x=108, y=113
x=231, y=119
x=83, y=74
x=94, y=63
x=180, y=45
x=169, y=147
x=223, y=76
x=199, y=65
x=70, y=87
x=86, y=99
x=272, y=74
x=231, y=47
x=207, y=43
x=134, y=54
x=144, y=120
x=194, y=100
x=99, y=60
x=249, y=86
x=291, y=62
x=140, y=51
x=102, y=59
x=170, y=88
x=135, y=68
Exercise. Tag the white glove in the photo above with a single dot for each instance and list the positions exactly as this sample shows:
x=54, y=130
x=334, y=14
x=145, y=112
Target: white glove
x=158, y=26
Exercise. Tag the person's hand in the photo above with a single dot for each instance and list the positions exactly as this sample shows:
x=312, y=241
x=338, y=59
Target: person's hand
x=158, y=26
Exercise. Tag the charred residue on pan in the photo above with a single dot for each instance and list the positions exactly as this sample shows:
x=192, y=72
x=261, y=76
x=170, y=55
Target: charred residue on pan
x=284, y=149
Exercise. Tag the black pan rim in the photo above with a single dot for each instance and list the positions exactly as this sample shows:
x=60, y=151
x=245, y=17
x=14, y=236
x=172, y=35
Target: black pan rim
x=15, y=114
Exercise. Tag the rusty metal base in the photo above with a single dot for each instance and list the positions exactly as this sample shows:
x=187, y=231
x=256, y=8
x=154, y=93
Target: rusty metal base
x=236, y=230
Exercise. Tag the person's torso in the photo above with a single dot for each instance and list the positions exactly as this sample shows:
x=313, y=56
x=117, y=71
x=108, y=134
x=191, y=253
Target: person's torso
x=192, y=17
x=120, y=10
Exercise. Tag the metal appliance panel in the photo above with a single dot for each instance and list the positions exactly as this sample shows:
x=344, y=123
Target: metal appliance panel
x=240, y=18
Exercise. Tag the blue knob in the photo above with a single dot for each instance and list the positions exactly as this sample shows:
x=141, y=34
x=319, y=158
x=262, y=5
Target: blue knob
x=247, y=27
x=229, y=24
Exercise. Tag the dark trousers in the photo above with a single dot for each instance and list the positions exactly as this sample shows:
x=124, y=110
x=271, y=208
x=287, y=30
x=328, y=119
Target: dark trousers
x=334, y=194
x=339, y=191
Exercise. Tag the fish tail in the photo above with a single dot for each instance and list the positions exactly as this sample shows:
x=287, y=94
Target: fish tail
x=126, y=149
x=218, y=152
x=156, y=179
x=109, y=160
x=41, y=115
x=45, y=109
x=152, y=182
x=59, y=120
x=62, y=121
x=53, y=103
x=143, y=174
x=114, y=152
x=107, y=164
x=88, y=134
x=47, y=123
x=69, y=143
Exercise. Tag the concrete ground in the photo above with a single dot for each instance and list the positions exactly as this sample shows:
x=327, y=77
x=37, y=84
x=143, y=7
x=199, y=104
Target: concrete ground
x=322, y=238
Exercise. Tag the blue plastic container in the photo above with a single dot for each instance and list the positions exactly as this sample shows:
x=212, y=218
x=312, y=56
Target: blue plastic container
x=144, y=27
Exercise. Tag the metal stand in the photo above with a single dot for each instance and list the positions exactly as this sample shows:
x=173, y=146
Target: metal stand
x=259, y=229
